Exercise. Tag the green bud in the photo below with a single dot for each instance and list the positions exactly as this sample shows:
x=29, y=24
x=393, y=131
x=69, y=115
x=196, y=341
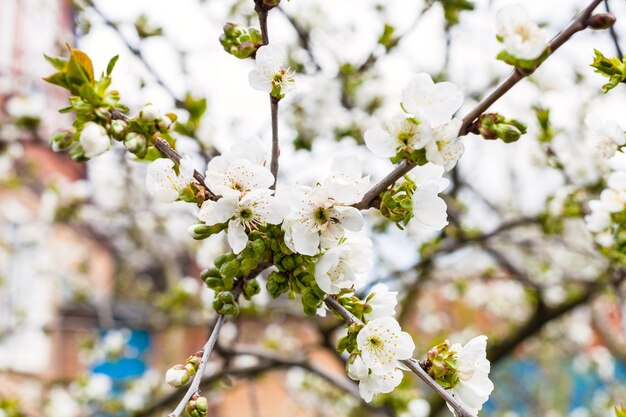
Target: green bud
x=201, y=231
x=221, y=260
x=247, y=265
x=135, y=142
x=117, y=130
x=225, y=303
x=288, y=263
x=230, y=269
x=251, y=288
x=60, y=140
x=210, y=273
x=258, y=247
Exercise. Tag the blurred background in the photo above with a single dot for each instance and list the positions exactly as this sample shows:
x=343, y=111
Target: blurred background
x=99, y=292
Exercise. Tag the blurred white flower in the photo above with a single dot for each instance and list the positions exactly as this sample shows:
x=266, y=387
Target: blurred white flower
x=429, y=210
x=98, y=387
x=608, y=135
x=256, y=207
x=149, y=113
x=400, y=134
x=382, y=303
x=417, y=407
x=522, y=38
x=345, y=266
x=270, y=75
x=446, y=147
x=430, y=102
x=474, y=386
x=383, y=343
x=164, y=183
x=94, y=140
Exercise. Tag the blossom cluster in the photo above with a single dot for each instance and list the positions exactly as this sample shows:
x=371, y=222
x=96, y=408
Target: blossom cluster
x=427, y=131
x=607, y=216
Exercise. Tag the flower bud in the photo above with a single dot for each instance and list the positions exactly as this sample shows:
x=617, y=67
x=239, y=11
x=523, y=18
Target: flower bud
x=117, y=129
x=251, y=288
x=225, y=303
x=94, y=140
x=60, y=140
x=135, y=142
x=149, y=113
x=177, y=376
x=165, y=122
x=601, y=21
x=201, y=231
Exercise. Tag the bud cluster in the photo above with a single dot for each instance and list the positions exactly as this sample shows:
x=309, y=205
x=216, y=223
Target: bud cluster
x=397, y=202
x=239, y=41
x=179, y=375
x=197, y=406
x=493, y=126
x=441, y=365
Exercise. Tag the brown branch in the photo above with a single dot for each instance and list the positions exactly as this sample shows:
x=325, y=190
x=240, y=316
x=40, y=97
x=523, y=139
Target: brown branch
x=195, y=382
x=412, y=364
x=578, y=24
x=165, y=148
x=304, y=37
x=613, y=33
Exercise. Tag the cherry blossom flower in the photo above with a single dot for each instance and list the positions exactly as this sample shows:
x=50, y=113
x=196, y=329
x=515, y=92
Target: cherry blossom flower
x=316, y=219
x=270, y=75
x=345, y=266
x=446, y=148
x=474, y=386
x=609, y=136
x=401, y=134
x=346, y=183
x=243, y=215
x=164, y=183
x=381, y=303
x=429, y=210
x=94, y=140
x=383, y=343
x=430, y=102
x=522, y=38
x=225, y=175
x=372, y=381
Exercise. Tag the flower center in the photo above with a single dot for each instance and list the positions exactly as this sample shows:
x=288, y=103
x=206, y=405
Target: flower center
x=321, y=215
x=524, y=31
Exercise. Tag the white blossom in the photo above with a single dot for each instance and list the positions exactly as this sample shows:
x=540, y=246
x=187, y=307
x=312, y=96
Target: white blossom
x=373, y=381
x=150, y=113
x=383, y=343
x=164, y=183
x=430, y=102
x=94, y=140
x=446, y=148
x=225, y=176
x=608, y=135
x=242, y=214
x=345, y=266
x=400, y=134
x=316, y=219
x=474, y=386
x=346, y=183
x=429, y=210
x=382, y=303
x=521, y=37
x=270, y=75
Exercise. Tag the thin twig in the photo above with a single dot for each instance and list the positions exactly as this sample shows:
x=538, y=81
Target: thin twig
x=275, y=145
x=412, y=364
x=137, y=52
x=613, y=33
x=165, y=148
x=197, y=378
x=578, y=24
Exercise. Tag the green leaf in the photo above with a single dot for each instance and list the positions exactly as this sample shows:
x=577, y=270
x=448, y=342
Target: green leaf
x=111, y=64
x=58, y=78
x=58, y=63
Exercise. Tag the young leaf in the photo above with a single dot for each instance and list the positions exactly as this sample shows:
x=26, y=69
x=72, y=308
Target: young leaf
x=111, y=64
x=57, y=63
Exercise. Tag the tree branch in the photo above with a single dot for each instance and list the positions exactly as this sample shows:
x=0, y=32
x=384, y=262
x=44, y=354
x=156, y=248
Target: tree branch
x=578, y=24
x=613, y=33
x=195, y=383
